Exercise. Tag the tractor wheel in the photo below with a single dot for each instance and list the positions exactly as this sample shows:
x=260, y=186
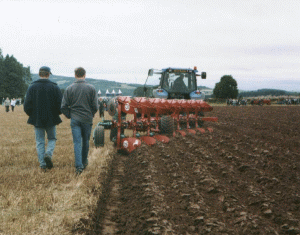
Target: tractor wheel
x=98, y=136
x=166, y=125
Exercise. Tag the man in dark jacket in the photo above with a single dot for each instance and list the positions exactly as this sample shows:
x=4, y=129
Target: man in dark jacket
x=101, y=107
x=80, y=105
x=42, y=105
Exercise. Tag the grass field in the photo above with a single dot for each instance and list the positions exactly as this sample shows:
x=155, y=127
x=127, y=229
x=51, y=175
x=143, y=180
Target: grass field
x=34, y=202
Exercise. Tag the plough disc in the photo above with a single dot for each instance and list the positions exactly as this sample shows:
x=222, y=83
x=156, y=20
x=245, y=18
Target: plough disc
x=210, y=129
x=148, y=140
x=162, y=138
x=191, y=131
x=201, y=130
x=182, y=132
x=129, y=144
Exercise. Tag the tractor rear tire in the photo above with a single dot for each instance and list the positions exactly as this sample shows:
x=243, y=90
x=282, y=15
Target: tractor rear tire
x=166, y=125
x=98, y=136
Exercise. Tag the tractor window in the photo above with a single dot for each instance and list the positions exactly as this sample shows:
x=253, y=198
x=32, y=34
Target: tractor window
x=179, y=82
x=153, y=81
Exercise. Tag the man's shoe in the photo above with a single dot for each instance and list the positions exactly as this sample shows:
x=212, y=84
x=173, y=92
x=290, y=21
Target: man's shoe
x=79, y=171
x=85, y=163
x=48, y=161
x=43, y=169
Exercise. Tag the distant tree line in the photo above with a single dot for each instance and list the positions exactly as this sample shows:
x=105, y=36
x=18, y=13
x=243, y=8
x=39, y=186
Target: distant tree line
x=267, y=92
x=14, y=77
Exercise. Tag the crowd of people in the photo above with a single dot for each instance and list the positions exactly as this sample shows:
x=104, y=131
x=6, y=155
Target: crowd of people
x=236, y=102
x=9, y=103
x=44, y=103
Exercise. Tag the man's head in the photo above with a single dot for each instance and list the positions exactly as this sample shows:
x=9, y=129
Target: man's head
x=44, y=72
x=80, y=73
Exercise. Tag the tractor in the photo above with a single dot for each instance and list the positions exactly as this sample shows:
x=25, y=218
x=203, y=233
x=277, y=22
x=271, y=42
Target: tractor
x=174, y=83
x=170, y=104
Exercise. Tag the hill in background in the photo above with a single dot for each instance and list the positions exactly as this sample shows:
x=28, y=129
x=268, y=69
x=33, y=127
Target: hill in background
x=102, y=85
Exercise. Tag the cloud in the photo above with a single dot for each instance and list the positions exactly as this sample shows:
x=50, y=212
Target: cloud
x=242, y=38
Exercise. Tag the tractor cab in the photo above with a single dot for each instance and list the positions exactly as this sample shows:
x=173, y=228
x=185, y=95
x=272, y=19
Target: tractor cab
x=173, y=83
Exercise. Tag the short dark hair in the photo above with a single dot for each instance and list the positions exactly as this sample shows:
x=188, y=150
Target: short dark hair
x=79, y=72
x=44, y=74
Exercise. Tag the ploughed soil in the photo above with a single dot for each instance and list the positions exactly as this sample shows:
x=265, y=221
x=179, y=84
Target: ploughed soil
x=242, y=178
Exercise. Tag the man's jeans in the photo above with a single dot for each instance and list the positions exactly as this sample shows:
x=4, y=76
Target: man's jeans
x=81, y=136
x=40, y=143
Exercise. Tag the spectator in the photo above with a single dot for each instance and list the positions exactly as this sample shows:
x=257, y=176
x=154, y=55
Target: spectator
x=3, y=101
x=101, y=108
x=6, y=104
x=13, y=104
x=42, y=105
x=80, y=105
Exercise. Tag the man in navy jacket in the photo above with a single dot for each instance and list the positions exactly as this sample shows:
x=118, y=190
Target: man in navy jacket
x=42, y=105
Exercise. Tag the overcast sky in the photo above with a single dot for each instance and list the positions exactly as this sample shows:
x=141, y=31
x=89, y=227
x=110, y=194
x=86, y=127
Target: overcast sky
x=257, y=41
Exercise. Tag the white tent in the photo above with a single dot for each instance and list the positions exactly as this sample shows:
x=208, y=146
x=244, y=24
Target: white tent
x=107, y=93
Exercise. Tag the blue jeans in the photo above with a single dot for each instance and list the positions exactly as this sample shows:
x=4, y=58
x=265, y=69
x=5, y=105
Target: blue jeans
x=81, y=136
x=40, y=143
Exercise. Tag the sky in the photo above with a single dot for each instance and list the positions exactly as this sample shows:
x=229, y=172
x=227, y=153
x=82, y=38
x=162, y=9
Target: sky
x=257, y=41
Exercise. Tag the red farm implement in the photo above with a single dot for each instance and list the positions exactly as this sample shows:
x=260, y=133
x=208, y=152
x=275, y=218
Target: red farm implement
x=156, y=118
x=260, y=102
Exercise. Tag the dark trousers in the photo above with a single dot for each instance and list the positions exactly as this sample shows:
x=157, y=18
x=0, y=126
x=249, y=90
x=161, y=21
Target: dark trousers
x=7, y=108
x=12, y=108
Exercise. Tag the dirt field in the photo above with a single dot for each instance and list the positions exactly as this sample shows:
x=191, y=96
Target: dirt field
x=244, y=178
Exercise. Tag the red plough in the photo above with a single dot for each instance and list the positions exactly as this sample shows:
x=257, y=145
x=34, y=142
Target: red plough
x=154, y=116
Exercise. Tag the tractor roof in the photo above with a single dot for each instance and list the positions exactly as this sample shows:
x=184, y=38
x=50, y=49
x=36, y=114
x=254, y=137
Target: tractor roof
x=183, y=70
